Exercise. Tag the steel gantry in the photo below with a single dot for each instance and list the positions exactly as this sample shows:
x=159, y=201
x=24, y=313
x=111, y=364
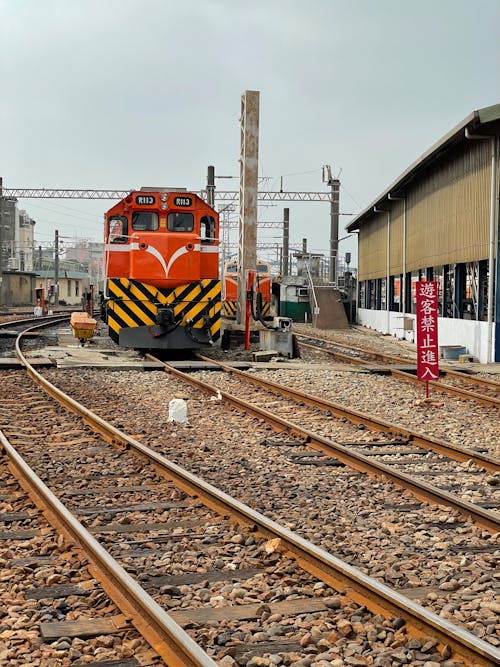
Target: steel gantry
x=220, y=195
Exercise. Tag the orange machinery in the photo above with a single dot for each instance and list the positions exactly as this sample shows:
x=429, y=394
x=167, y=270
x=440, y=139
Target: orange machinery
x=261, y=285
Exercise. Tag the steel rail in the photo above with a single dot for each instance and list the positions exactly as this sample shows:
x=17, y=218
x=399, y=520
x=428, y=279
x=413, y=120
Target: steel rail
x=482, y=517
x=163, y=633
x=44, y=321
x=491, y=384
x=442, y=447
x=361, y=350
x=471, y=379
x=377, y=596
x=408, y=377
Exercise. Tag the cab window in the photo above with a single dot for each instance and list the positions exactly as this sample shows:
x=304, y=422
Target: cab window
x=207, y=229
x=262, y=268
x=144, y=221
x=118, y=229
x=232, y=268
x=180, y=222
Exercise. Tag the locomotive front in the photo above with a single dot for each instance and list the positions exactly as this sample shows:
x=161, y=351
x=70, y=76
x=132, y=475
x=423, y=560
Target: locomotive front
x=261, y=287
x=162, y=271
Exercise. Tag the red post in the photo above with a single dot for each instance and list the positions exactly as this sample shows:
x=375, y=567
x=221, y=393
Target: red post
x=248, y=309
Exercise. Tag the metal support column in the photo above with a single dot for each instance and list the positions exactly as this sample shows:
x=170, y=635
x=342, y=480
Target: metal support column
x=286, y=239
x=56, y=269
x=2, y=209
x=495, y=215
x=211, y=186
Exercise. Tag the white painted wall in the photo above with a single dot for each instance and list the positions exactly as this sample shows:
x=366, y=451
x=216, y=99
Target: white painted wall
x=470, y=334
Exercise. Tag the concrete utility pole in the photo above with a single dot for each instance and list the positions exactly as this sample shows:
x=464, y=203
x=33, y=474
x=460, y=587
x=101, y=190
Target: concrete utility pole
x=286, y=239
x=334, y=184
x=56, y=269
x=249, y=167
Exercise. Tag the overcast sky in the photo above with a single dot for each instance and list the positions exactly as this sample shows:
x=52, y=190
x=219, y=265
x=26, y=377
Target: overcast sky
x=122, y=93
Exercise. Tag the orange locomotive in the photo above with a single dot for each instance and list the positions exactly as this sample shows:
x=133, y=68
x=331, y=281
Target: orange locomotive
x=162, y=270
x=262, y=287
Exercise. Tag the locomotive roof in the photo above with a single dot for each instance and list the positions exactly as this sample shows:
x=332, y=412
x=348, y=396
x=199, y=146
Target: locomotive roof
x=160, y=190
x=147, y=188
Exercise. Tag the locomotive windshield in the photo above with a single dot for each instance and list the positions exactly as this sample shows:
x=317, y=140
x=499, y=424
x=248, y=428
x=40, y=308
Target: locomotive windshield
x=144, y=221
x=180, y=222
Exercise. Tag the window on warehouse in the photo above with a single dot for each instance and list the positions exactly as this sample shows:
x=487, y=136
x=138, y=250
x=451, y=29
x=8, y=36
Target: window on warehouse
x=382, y=294
x=361, y=294
x=144, y=221
x=438, y=274
x=207, y=229
x=179, y=221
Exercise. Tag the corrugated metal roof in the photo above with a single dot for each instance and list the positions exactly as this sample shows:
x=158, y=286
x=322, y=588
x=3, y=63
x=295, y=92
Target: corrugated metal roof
x=474, y=121
x=63, y=273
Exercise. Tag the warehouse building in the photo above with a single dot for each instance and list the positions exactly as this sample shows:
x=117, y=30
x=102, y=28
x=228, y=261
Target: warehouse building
x=438, y=221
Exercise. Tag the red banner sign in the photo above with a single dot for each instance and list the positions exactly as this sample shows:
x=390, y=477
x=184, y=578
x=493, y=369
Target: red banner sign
x=427, y=331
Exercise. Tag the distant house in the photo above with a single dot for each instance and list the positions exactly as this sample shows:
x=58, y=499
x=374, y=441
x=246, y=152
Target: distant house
x=72, y=284
x=17, y=288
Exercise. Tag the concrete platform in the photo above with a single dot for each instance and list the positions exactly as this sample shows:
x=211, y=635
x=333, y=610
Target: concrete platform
x=303, y=366
x=471, y=367
x=11, y=333
x=13, y=363
x=376, y=370
x=197, y=365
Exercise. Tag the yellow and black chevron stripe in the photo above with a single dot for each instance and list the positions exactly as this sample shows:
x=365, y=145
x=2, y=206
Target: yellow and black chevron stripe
x=229, y=309
x=135, y=304
x=266, y=308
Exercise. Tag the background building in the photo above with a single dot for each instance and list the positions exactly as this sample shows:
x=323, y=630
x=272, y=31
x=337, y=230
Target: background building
x=17, y=281
x=439, y=220
x=16, y=237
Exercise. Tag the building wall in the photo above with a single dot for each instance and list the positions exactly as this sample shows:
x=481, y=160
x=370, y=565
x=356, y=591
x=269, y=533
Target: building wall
x=26, y=242
x=372, y=247
x=17, y=289
x=448, y=209
x=440, y=230
x=70, y=291
x=447, y=216
x=471, y=334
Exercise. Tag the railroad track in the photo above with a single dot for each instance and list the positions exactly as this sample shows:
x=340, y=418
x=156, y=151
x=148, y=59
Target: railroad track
x=485, y=391
x=18, y=325
x=408, y=450
x=48, y=580
x=325, y=493
x=59, y=466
